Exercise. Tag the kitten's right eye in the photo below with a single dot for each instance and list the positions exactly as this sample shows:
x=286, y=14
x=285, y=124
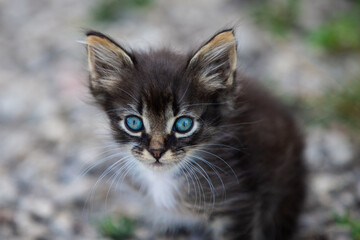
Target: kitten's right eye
x=134, y=123
x=183, y=124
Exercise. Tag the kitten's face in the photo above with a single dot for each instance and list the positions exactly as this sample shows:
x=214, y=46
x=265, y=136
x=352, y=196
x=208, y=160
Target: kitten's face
x=158, y=129
x=162, y=106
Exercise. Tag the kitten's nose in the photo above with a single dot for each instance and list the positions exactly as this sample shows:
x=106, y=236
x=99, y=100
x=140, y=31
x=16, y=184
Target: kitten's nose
x=157, y=152
x=156, y=146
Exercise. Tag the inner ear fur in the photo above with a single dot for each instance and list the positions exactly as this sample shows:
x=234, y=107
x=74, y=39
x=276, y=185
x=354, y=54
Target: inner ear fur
x=106, y=59
x=215, y=62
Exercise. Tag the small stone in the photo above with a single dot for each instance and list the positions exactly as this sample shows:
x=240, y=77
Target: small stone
x=8, y=192
x=347, y=199
x=338, y=148
x=27, y=227
x=7, y=223
x=322, y=185
x=328, y=148
x=62, y=224
x=66, y=194
x=313, y=152
x=40, y=208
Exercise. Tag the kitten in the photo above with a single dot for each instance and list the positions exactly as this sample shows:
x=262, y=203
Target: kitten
x=210, y=151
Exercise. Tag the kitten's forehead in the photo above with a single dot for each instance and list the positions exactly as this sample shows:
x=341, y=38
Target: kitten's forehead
x=157, y=119
x=160, y=90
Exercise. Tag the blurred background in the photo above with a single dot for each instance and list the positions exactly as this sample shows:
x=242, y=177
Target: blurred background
x=306, y=52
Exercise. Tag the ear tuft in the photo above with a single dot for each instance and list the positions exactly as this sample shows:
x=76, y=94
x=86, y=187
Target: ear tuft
x=106, y=59
x=215, y=62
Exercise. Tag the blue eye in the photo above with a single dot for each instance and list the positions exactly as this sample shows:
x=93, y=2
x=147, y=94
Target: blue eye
x=134, y=123
x=183, y=124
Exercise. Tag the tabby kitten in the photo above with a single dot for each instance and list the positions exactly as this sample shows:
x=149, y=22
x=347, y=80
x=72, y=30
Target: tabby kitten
x=211, y=152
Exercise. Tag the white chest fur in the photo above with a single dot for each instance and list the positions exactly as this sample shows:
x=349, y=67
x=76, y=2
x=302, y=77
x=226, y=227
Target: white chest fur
x=164, y=191
x=162, y=188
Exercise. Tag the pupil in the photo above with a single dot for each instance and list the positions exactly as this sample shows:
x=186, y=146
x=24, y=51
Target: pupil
x=183, y=125
x=134, y=123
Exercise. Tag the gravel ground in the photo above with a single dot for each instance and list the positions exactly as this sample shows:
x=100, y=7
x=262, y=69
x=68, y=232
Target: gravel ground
x=50, y=132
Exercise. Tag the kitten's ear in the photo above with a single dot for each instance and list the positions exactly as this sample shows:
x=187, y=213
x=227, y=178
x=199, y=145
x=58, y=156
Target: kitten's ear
x=215, y=62
x=106, y=59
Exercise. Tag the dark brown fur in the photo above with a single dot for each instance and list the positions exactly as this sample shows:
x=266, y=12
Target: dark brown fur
x=251, y=140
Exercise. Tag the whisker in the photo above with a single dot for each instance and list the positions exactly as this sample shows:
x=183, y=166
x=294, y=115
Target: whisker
x=126, y=172
x=183, y=173
x=131, y=110
x=213, y=144
x=113, y=177
x=201, y=193
x=186, y=171
x=203, y=104
x=241, y=124
x=118, y=171
x=127, y=93
x=218, y=157
x=107, y=171
x=213, y=166
x=187, y=88
x=99, y=162
x=207, y=178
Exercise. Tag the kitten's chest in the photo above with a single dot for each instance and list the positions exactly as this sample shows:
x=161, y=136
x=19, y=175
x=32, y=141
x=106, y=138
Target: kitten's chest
x=167, y=208
x=162, y=189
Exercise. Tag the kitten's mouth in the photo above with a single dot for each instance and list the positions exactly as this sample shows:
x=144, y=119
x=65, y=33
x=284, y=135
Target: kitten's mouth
x=157, y=163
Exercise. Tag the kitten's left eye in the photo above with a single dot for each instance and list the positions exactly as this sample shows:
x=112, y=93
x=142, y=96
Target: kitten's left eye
x=183, y=124
x=134, y=123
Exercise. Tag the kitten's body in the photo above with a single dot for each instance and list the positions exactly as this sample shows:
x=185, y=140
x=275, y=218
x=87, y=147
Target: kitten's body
x=237, y=173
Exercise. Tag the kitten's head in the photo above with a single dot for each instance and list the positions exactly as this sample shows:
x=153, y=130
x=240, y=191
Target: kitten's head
x=161, y=105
